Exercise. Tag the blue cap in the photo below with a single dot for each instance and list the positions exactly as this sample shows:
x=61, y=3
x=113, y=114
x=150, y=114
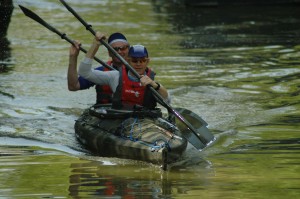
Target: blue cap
x=115, y=37
x=138, y=51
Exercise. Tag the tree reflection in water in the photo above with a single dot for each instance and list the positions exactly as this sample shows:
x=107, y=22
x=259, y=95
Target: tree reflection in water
x=6, y=9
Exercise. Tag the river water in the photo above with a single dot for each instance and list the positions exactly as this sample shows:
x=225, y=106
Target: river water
x=237, y=67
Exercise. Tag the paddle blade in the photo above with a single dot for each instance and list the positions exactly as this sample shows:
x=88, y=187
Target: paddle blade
x=199, y=125
x=36, y=18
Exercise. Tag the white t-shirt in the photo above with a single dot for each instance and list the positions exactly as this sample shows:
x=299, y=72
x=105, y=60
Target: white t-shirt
x=110, y=78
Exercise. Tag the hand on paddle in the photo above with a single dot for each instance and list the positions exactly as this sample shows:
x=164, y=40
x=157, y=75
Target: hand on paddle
x=146, y=80
x=99, y=36
x=74, y=49
x=95, y=45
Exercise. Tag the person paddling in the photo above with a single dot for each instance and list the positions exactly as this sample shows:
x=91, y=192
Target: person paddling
x=127, y=89
x=103, y=93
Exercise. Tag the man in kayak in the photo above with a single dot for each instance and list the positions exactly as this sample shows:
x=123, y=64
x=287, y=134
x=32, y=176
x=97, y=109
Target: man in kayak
x=119, y=42
x=128, y=90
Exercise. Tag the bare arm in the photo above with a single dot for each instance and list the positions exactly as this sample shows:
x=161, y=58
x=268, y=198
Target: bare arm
x=145, y=80
x=95, y=45
x=98, y=77
x=73, y=83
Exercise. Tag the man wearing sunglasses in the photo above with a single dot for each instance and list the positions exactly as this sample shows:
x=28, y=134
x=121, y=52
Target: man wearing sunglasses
x=104, y=94
x=128, y=89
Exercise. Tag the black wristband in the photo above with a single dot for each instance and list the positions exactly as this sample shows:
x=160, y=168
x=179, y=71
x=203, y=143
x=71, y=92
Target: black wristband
x=158, y=86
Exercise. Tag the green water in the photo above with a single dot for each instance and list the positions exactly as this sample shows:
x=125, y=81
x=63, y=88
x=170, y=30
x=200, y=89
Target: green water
x=237, y=67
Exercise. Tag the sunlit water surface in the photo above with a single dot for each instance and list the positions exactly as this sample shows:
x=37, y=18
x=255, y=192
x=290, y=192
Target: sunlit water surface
x=238, y=68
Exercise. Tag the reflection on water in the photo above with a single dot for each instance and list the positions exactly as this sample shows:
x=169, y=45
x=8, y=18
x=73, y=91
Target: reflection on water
x=115, y=181
x=6, y=9
x=83, y=178
x=271, y=147
x=238, y=68
x=53, y=174
x=131, y=181
x=134, y=179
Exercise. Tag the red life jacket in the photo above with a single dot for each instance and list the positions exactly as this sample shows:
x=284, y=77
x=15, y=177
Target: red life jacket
x=130, y=93
x=103, y=92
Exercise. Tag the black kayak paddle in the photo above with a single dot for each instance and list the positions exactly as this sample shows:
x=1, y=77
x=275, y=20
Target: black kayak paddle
x=38, y=19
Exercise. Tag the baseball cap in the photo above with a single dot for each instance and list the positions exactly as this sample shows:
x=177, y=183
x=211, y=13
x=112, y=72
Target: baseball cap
x=138, y=51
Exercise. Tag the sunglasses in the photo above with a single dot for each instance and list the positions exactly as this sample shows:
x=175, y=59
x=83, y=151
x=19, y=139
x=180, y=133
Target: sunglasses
x=135, y=60
x=121, y=48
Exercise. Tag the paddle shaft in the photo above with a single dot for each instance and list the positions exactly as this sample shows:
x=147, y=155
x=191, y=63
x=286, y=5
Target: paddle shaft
x=38, y=19
x=156, y=94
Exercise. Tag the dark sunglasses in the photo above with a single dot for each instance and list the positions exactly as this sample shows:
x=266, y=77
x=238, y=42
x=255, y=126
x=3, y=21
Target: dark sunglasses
x=121, y=48
x=135, y=60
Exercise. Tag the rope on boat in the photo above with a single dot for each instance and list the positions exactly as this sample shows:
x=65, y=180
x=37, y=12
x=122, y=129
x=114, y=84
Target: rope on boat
x=155, y=146
x=136, y=121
